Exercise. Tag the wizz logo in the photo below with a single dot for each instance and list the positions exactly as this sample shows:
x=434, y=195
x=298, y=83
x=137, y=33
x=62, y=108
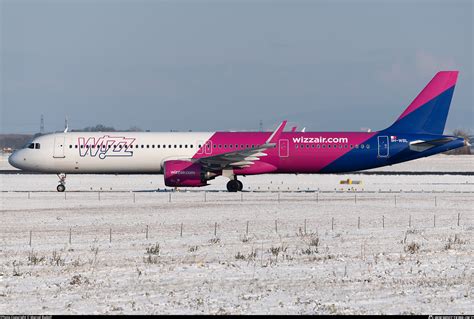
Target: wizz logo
x=105, y=146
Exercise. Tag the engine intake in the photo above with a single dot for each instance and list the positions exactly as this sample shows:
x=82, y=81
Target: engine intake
x=186, y=173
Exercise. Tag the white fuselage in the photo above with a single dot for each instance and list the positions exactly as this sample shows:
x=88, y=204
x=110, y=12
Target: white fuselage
x=107, y=152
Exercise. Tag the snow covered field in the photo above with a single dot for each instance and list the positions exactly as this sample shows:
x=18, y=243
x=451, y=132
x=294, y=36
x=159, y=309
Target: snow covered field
x=127, y=249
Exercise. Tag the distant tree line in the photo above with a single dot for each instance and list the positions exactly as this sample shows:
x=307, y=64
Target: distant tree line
x=103, y=128
x=14, y=141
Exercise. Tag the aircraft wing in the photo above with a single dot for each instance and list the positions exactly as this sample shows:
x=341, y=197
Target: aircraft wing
x=420, y=145
x=241, y=158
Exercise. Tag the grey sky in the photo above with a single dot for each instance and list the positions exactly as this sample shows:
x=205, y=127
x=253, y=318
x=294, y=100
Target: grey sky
x=202, y=65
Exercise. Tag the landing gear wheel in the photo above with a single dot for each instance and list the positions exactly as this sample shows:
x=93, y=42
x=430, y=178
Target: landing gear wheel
x=233, y=186
x=241, y=186
x=62, y=181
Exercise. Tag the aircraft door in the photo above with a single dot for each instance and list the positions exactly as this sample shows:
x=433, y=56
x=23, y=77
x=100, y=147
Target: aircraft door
x=283, y=148
x=59, y=146
x=383, y=149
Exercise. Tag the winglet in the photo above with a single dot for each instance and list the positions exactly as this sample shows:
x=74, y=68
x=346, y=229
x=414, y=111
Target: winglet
x=276, y=134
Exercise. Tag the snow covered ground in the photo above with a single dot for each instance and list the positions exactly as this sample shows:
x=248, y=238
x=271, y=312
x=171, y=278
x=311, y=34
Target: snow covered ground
x=127, y=249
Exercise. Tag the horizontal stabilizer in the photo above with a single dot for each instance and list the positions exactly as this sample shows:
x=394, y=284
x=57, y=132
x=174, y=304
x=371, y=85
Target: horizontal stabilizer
x=420, y=145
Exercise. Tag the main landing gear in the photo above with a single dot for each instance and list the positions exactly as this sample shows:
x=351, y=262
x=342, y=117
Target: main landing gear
x=234, y=185
x=62, y=182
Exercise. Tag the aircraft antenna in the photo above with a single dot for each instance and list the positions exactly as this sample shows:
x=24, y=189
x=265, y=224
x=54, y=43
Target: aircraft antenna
x=42, y=124
x=66, y=125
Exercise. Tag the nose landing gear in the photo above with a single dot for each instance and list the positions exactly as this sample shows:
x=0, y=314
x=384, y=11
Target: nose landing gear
x=62, y=182
x=234, y=185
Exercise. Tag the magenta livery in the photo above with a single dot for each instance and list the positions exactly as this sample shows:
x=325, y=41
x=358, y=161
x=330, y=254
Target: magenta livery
x=190, y=159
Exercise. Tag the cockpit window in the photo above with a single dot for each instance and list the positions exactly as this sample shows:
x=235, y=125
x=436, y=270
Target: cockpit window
x=32, y=146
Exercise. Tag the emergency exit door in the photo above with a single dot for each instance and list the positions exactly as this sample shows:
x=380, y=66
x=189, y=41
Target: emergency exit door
x=283, y=148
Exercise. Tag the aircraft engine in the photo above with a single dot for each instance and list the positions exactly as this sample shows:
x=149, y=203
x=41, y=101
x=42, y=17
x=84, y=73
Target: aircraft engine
x=186, y=174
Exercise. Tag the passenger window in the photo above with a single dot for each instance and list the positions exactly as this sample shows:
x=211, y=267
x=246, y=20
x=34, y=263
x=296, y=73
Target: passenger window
x=186, y=146
x=324, y=145
x=329, y=145
x=191, y=146
x=357, y=146
x=352, y=146
x=164, y=146
x=319, y=146
x=361, y=145
x=147, y=146
x=296, y=145
x=307, y=145
x=169, y=146
x=70, y=146
x=75, y=146
x=180, y=146
x=220, y=145
x=340, y=145
x=158, y=146
x=367, y=146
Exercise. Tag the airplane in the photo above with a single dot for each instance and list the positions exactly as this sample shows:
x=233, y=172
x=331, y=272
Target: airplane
x=192, y=159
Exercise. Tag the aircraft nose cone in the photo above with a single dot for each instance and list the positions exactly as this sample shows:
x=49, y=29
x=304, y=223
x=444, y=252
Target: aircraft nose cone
x=13, y=160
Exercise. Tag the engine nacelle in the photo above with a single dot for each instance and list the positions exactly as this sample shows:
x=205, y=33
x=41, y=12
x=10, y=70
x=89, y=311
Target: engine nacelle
x=186, y=173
